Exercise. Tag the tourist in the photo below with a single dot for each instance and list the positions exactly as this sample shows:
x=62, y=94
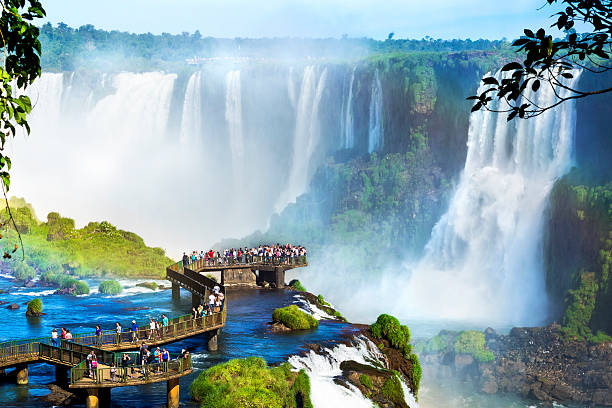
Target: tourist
x=151, y=328
x=211, y=303
x=134, y=331
x=98, y=335
x=118, y=329
x=54, y=338
x=165, y=323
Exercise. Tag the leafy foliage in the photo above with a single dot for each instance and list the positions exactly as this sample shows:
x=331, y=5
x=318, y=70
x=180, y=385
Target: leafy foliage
x=294, y=318
x=98, y=249
x=35, y=306
x=473, y=342
x=388, y=327
x=249, y=383
x=552, y=61
x=110, y=287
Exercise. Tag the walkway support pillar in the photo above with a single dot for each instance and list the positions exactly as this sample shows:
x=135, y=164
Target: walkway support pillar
x=176, y=291
x=173, y=393
x=196, y=300
x=61, y=376
x=92, y=400
x=21, y=374
x=212, y=337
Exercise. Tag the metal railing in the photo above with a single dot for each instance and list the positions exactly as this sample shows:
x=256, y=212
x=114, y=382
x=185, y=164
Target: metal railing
x=132, y=373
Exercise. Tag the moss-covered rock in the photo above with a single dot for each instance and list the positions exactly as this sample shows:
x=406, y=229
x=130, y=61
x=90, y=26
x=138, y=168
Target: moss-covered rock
x=294, y=318
x=35, y=308
x=249, y=383
x=110, y=287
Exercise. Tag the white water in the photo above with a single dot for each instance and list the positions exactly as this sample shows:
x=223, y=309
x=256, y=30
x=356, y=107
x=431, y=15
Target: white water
x=376, y=129
x=322, y=368
x=191, y=123
x=347, y=126
x=484, y=258
x=307, y=135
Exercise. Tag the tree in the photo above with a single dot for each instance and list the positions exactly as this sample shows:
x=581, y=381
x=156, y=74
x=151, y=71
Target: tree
x=21, y=52
x=553, y=62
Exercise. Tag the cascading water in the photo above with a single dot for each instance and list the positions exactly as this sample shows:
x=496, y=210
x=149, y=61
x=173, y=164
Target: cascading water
x=484, y=259
x=347, y=125
x=307, y=134
x=191, y=123
x=233, y=114
x=323, y=367
x=375, y=133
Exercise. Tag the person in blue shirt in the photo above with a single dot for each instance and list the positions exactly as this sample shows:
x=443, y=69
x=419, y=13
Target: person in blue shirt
x=134, y=331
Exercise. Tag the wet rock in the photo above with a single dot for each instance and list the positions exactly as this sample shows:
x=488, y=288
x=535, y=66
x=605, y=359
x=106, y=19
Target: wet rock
x=13, y=306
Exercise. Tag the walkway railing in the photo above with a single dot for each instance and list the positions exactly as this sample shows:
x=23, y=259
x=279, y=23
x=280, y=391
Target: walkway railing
x=113, y=376
x=246, y=260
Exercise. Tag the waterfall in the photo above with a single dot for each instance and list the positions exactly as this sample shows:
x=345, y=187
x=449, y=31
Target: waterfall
x=306, y=137
x=233, y=114
x=347, y=119
x=191, y=123
x=323, y=367
x=484, y=258
x=375, y=133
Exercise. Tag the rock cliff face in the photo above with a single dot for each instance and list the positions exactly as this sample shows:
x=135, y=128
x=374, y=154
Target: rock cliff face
x=537, y=363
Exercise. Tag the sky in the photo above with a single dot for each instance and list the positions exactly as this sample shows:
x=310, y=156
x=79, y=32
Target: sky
x=491, y=19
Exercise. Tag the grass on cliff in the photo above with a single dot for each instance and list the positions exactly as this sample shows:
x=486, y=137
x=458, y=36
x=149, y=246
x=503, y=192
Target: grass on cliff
x=97, y=249
x=250, y=383
x=110, y=287
x=294, y=318
x=473, y=342
x=389, y=328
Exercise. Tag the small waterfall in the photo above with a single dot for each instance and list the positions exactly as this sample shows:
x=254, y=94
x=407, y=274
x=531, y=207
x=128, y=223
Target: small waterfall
x=307, y=134
x=191, y=123
x=233, y=113
x=347, y=125
x=322, y=368
x=376, y=131
x=484, y=259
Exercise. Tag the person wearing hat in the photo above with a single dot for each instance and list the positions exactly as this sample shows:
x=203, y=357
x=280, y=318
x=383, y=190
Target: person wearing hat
x=134, y=331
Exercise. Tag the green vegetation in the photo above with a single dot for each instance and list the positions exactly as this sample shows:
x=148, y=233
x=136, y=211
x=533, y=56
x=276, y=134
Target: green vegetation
x=392, y=390
x=294, y=318
x=148, y=285
x=35, y=307
x=297, y=285
x=98, y=249
x=110, y=287
x=578, y=269
x=249, y=383
x=23, y=271
x=389, y=328
x=473, y=342
x=366, y=381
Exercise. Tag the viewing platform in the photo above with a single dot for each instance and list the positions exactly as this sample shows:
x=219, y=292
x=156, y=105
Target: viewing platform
x=246, y=272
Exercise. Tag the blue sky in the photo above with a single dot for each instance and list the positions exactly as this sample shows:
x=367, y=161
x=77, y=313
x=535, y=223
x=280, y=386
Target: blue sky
x=474, y=19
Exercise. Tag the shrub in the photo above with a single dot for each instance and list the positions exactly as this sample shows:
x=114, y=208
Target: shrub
x=110, y=287
x=297, y=285
x=35, y=306
x=294, y=318
x=24, y=272
x=473, y=342
x=243, y=383
x=388, y=327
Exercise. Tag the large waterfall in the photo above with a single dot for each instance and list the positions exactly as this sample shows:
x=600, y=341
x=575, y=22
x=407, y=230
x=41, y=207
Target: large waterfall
x=484, y=259
x=225, y=144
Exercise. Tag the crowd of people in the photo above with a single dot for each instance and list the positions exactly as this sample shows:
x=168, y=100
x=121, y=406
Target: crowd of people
x=281, y=254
